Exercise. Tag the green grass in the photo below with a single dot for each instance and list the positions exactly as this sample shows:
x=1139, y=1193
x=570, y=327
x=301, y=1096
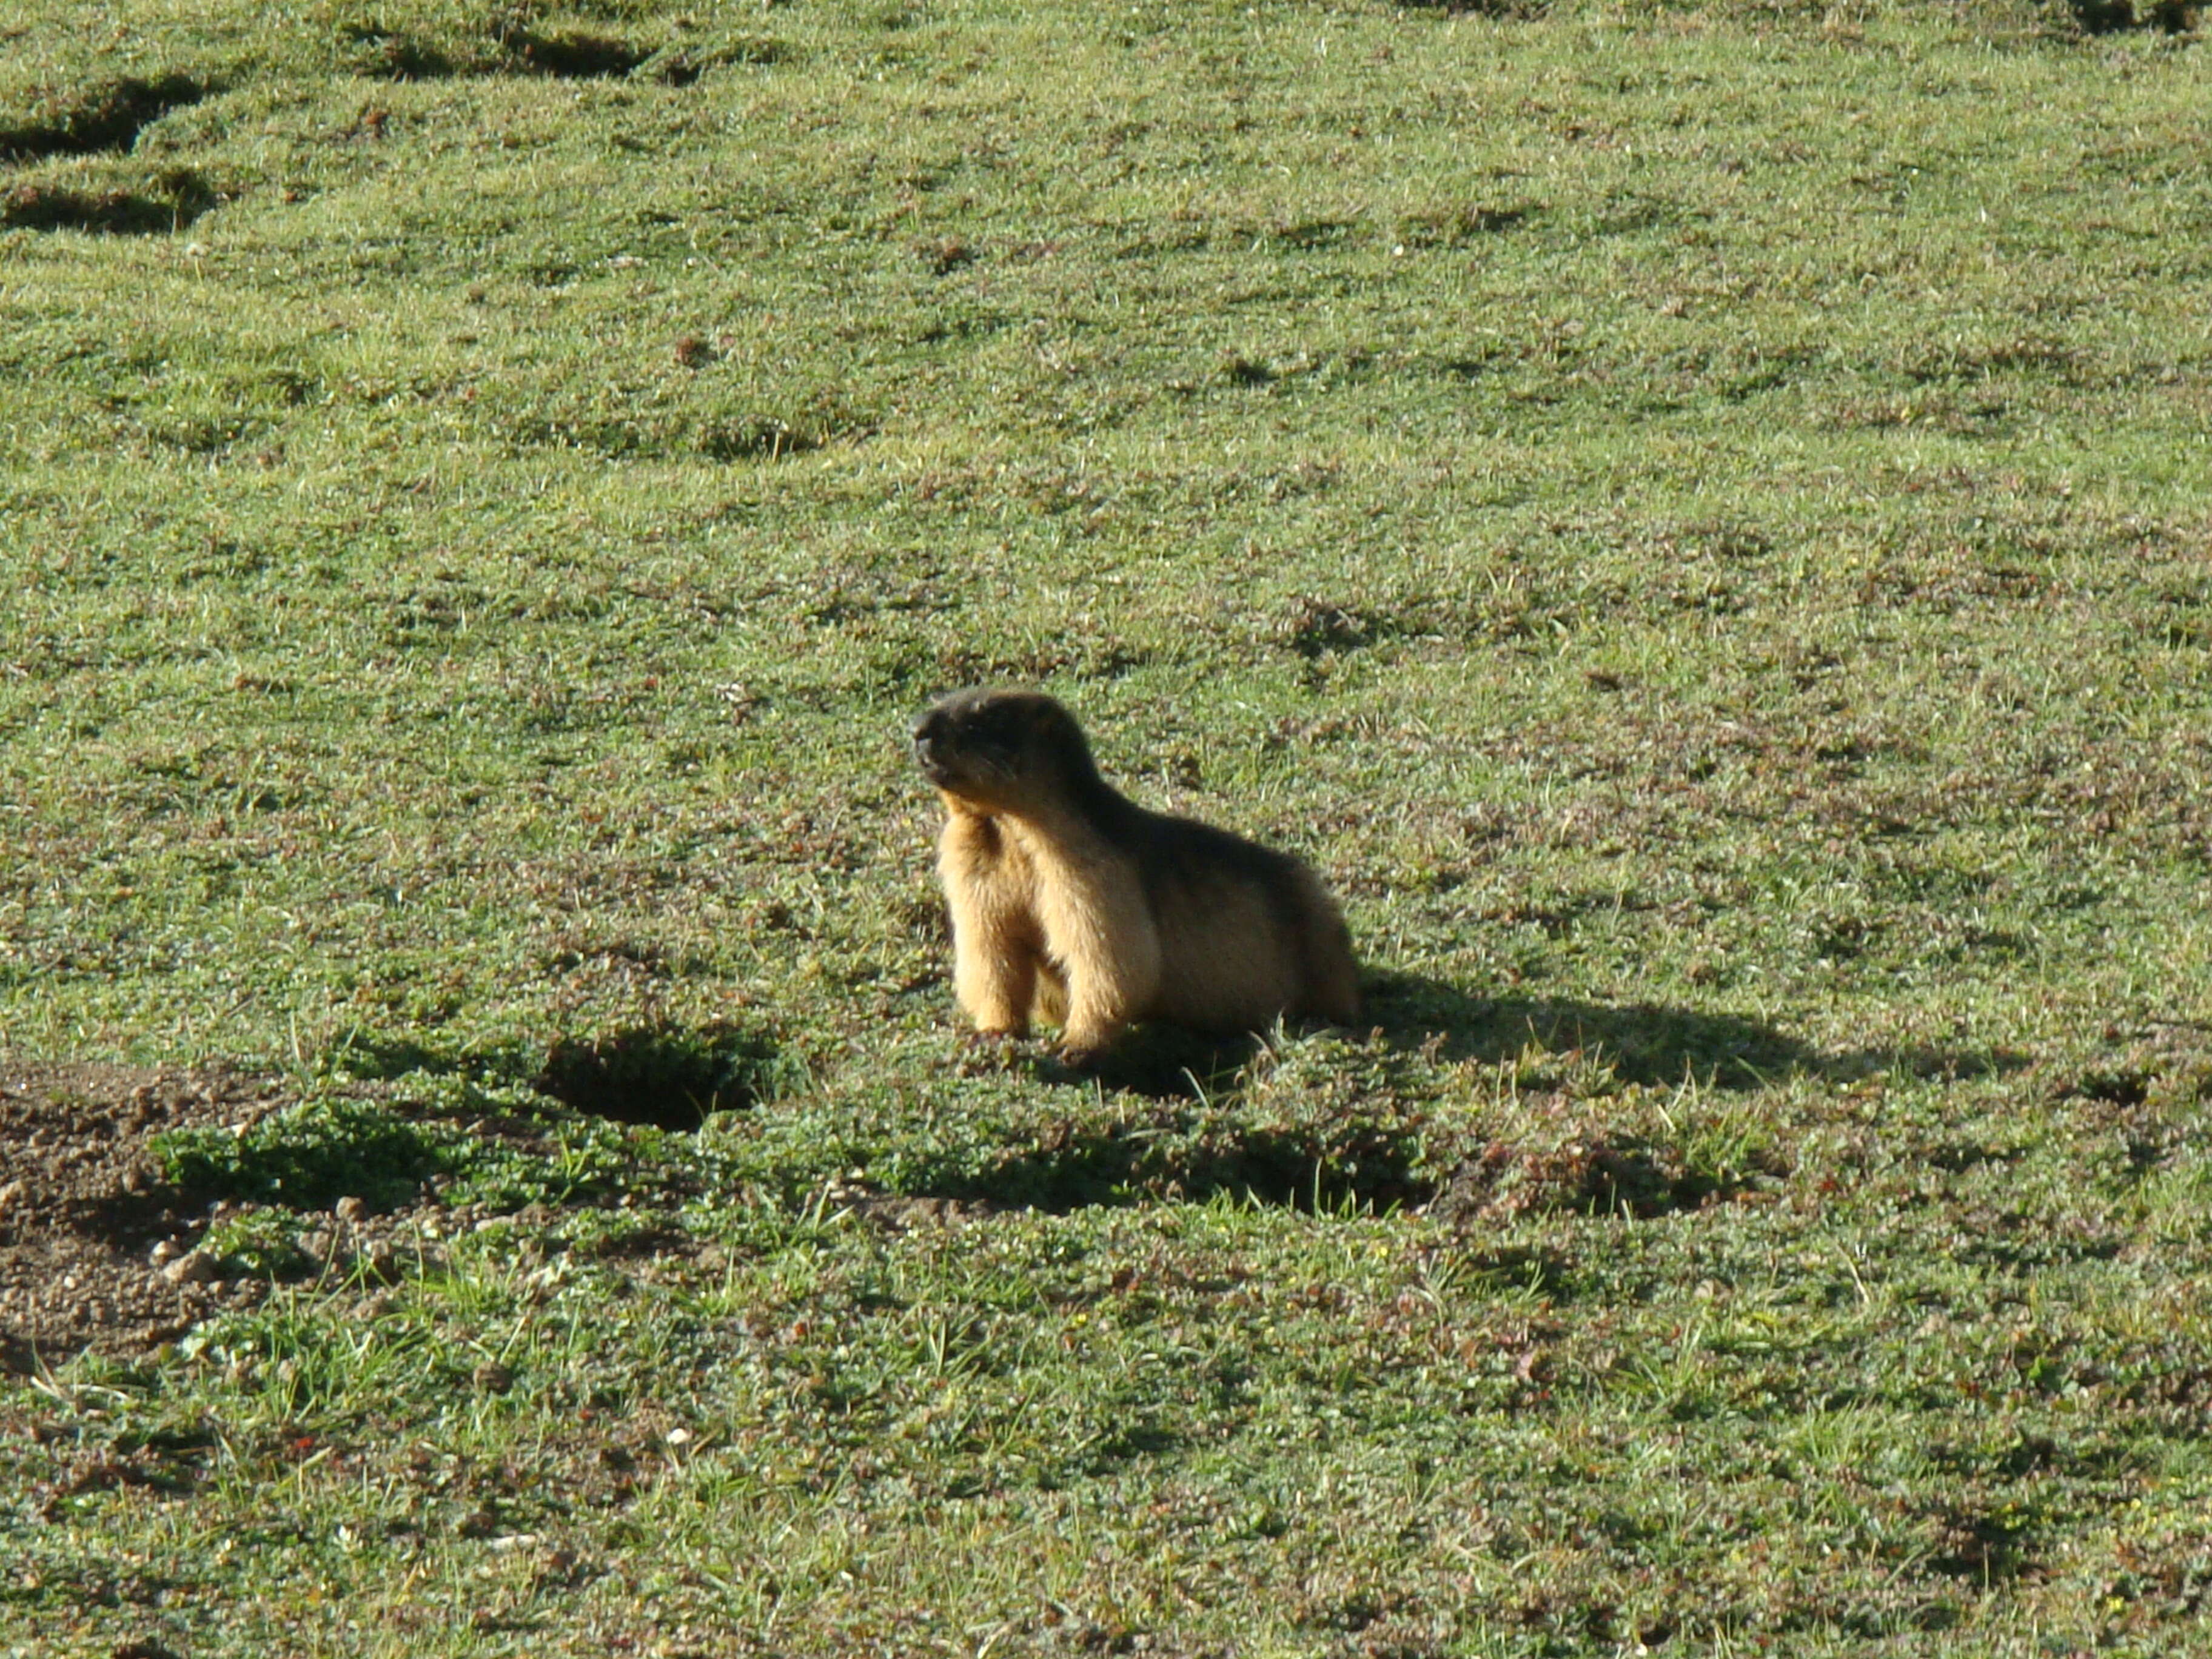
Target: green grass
x=1694, y=519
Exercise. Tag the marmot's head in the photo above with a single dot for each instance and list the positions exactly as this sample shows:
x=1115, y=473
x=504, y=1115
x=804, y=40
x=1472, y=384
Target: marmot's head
x=1003, y=751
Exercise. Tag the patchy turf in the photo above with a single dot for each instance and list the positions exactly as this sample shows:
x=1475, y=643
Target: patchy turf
x=1694, y=519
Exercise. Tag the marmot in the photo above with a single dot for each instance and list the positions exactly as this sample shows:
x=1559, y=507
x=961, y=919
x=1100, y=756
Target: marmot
x=1072, y=903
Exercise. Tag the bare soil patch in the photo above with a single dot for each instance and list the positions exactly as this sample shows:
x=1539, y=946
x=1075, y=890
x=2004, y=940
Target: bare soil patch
x=100, y=1249
x=90, y=1235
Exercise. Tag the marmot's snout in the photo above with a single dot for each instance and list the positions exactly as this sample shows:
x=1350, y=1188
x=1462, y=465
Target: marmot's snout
x=929, y=734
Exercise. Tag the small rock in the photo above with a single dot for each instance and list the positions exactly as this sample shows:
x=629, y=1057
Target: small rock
x=197, y=1267
x=351, y=1211
x=374, y=1305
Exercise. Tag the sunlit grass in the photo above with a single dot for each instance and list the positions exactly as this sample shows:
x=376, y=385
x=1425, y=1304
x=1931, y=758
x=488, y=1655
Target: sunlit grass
x=1692, y=518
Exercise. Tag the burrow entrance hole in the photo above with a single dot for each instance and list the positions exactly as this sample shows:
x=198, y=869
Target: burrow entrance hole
x=108, y=118
x=667, y=1078
x=179, y=197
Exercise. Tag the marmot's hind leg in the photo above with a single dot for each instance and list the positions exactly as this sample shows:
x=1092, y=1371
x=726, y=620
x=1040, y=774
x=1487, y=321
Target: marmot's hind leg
x=1103, y=940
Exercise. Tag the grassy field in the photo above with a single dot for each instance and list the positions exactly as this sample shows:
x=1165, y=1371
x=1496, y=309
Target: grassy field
x=1697, y=519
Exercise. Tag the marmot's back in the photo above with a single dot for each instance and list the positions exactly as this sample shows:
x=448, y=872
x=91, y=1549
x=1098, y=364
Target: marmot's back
x=1248, y=934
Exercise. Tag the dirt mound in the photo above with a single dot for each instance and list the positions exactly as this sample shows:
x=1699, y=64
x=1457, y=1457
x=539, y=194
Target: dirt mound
x=93, y=1244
